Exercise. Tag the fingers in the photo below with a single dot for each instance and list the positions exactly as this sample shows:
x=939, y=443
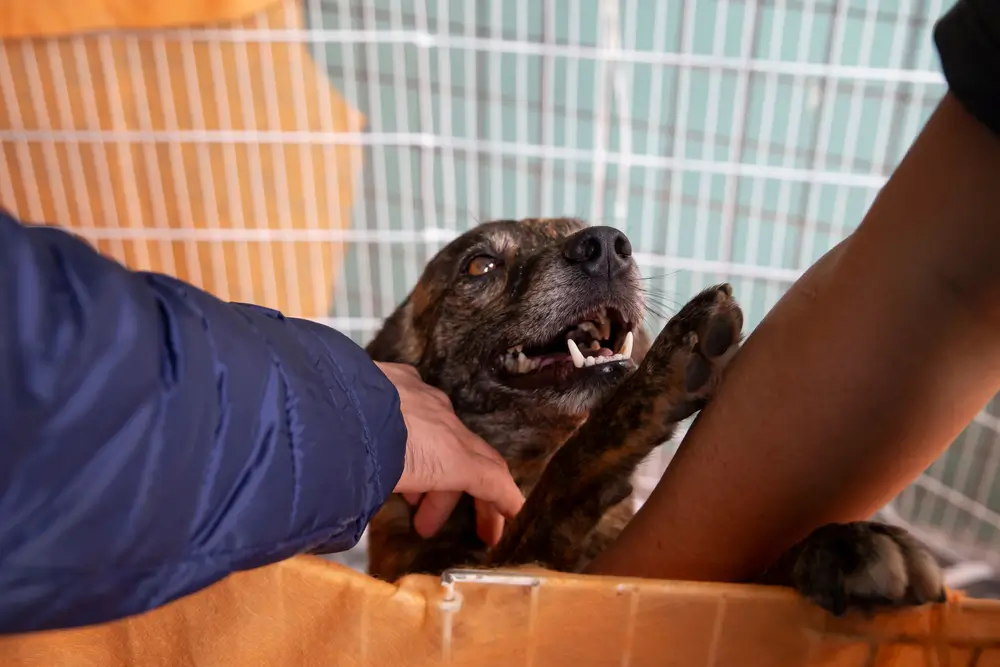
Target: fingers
x=437, y=507
x=434, y=510
x=488, y=476
x=489, y=523
x=491, y=482
x=445, y=459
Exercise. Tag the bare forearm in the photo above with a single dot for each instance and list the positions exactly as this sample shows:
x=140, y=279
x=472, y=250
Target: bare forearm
x=853, y=384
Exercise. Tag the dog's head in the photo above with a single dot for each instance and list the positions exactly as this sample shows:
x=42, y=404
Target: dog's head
x=545, y=313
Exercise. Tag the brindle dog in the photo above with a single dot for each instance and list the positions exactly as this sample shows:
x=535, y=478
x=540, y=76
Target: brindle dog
x=533, y=328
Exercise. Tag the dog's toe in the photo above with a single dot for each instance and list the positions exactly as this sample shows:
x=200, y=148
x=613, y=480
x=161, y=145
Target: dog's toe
x=718, y=322
x=866, y=566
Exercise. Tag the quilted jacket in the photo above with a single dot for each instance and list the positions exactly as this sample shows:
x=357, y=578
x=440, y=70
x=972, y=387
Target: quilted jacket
x=154, y=439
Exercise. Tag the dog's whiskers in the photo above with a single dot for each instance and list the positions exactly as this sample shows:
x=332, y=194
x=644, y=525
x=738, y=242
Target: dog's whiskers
x=660, y=275
x=661, y=300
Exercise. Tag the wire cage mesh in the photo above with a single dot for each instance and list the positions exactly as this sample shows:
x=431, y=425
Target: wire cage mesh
x=732, y=140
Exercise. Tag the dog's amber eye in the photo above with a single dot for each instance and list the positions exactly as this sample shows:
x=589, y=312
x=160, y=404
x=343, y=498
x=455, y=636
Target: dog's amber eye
x=481, y=265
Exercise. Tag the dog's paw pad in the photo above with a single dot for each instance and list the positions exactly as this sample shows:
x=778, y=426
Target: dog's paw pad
x=697, y=373
x=717, y=322
x=689, y=356
x=866, y=566
x=719, y=336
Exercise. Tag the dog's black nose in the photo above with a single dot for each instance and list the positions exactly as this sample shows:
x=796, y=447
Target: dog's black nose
x=602, y=252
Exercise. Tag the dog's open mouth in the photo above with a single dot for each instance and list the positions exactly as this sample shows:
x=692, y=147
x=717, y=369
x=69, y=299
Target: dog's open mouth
x=600, y=342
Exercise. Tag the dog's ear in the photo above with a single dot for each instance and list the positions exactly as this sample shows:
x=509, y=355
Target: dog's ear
x=404, y=335
x=398, y=341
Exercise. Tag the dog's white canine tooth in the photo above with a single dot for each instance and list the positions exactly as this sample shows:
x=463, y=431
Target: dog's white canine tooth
x=626, y=350
x=589, y=361
x=575, y=352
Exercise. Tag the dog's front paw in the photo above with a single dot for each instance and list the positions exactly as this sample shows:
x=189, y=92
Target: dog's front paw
x=688, y=358
x=865, y=566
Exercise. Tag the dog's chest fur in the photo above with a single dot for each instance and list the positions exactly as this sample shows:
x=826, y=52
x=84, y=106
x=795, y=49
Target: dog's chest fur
x=525, y=438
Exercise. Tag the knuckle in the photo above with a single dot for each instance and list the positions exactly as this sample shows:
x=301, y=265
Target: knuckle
x=498, y=461
x=497, y=470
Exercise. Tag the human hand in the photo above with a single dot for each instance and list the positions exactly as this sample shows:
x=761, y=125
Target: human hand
x=444, y=459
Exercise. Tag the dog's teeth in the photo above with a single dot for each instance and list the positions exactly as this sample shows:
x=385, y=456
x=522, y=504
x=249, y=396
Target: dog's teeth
x=603, y=323
x=608, y=360
x=605, y=327
x=589, y=361
x=575, y=352
x=594, y=345
x=590, y=328
x=523, y=363
x=510, y=361
x=626, y=350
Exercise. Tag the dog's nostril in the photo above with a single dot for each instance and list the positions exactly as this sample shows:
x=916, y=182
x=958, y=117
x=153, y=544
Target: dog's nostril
x=599, y=251
x=622, y=246
x=582, y=249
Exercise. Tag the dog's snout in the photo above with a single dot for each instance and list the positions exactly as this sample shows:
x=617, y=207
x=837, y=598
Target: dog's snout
x=602, y=252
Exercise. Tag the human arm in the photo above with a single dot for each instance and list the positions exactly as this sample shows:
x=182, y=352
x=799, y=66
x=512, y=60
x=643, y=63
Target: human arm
x=864, y=372
x=156, y=439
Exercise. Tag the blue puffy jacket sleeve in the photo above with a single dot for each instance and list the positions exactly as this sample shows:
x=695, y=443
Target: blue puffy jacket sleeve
x=154, y=439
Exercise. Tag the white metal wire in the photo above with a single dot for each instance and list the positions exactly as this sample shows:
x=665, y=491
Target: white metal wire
x=731, y=140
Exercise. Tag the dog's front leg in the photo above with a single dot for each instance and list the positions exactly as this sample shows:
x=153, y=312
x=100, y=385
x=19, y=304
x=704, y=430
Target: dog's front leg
x=591, y=472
